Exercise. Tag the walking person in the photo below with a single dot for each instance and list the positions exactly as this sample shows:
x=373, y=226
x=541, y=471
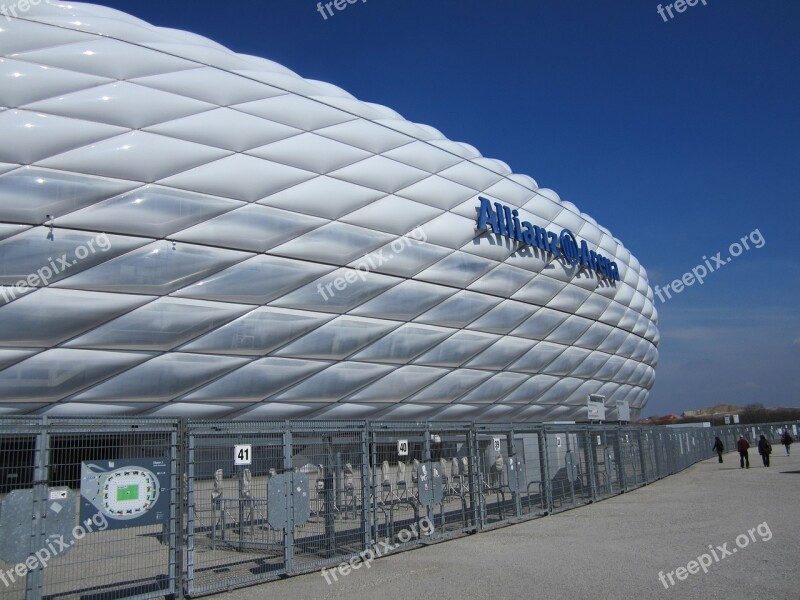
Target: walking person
x=744, y=456
x=764, y=449
x=786, y=440
x=718, y=447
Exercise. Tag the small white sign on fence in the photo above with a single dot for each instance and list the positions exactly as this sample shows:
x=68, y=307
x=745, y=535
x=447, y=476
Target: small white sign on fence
x=243, y=454
x=402, y=447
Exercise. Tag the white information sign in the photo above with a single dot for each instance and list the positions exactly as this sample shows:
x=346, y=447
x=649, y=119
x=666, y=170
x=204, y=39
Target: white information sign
x=58, y=494
x=597, y=411
x=402, y=447
x=243, y=454
x=496, y=444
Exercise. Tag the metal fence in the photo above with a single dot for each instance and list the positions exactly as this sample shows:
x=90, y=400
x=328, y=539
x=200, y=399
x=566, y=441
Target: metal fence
x=140, y=508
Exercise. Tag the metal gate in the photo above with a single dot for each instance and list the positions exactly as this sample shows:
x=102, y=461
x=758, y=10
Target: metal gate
x=89, y=508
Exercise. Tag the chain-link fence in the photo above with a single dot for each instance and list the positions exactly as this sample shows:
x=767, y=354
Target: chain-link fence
x=142, y=508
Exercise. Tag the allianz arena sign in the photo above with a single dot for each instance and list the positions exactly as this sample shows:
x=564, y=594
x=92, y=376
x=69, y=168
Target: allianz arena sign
x=505, y=221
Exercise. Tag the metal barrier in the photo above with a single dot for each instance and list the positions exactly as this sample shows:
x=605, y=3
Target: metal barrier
x=89, y=508
x=144, y=508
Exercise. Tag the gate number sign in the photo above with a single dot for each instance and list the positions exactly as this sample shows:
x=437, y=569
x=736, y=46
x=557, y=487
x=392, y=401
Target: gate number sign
x=243, y=454
x=496, y=444
x=402, y=447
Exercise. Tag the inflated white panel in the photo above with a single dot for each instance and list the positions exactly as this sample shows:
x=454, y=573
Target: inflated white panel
x=210, y=85
x=393, y=214
x=106, y=58
x=239, y=176
x=137, y=155
x=123, y=104
x=380, y=173
x=38, y=136
x=323, y=197
x=311, y=152
x=365, y=135
x=225, y=128
x=23, y=82
x=295, y=111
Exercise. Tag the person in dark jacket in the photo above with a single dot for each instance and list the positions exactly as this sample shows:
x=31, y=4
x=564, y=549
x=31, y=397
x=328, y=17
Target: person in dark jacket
x=744, y=456
x=786, y=440
x=718, y=447
x=764, y=449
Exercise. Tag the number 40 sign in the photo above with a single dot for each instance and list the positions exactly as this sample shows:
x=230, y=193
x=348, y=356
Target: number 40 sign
x=402, y=447
x=243, y=454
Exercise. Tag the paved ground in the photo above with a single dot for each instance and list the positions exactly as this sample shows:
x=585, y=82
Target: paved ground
x=612, y=549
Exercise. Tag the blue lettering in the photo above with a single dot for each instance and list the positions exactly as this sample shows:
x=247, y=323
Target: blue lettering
x=553, y=242
x=503, y=220
x=615, y=271
x=509, y=223
x=541, y=237
x=586, y=260
x=593, y=260
x=603, y=263
x=517, y=228
x=529, y=234
x=486, y=216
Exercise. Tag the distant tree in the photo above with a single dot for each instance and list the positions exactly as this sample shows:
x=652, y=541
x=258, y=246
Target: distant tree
x=755, y=413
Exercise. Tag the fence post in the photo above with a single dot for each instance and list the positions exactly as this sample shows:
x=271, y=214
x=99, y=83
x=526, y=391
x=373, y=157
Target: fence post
x=366, y=493
x=512, y=455
x=176, y=540
x=642, y=459
x=656, y=454
x=33, y=581
x=373, y=487
x=190, y=511
x=544, y=459
x=474, y=478
x=591, y=462
x=288, y=539
x=620, y=460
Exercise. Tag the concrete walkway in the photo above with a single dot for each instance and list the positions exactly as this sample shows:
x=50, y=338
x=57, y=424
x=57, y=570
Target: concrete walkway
x=612, y=549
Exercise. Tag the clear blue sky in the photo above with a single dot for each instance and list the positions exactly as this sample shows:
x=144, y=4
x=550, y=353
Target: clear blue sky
x=680, y=136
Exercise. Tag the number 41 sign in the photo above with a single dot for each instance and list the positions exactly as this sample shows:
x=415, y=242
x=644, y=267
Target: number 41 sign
x=243, y=454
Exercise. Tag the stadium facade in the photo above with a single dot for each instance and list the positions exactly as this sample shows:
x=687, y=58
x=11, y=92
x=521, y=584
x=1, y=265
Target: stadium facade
x=186, y=231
